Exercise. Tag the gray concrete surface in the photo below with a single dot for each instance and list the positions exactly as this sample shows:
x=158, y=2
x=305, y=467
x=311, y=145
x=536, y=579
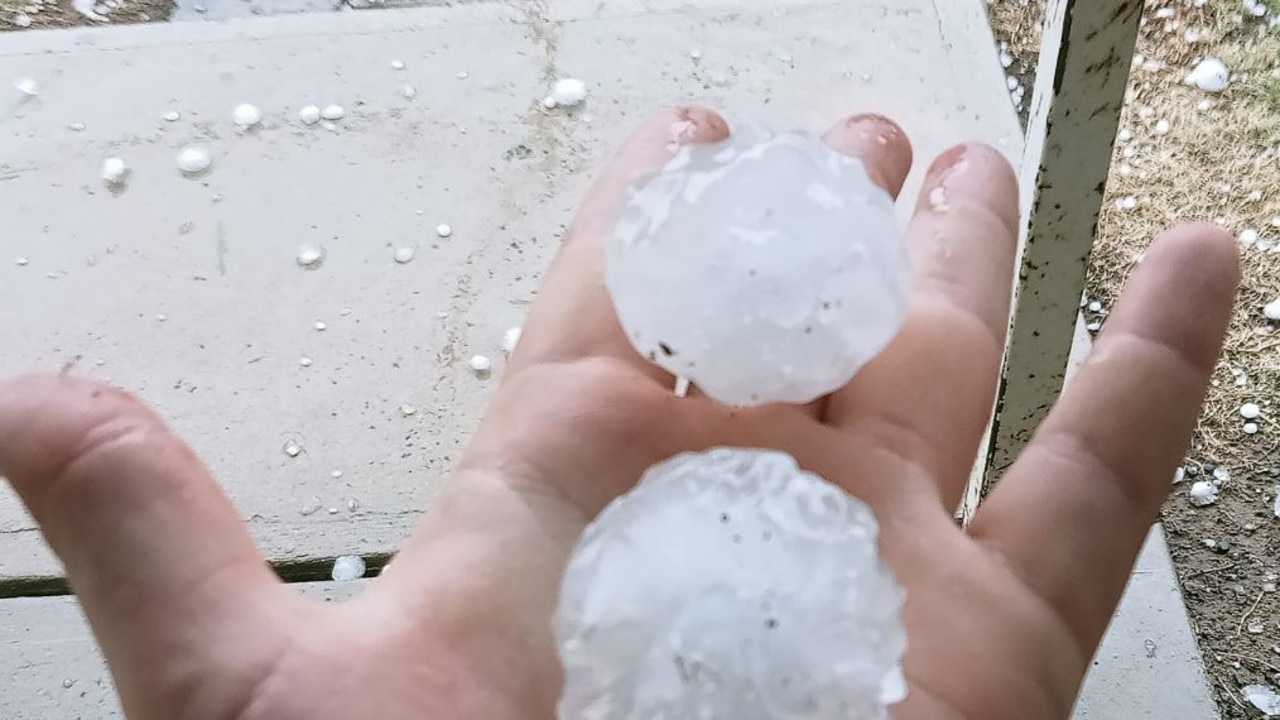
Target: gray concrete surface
x=224, y=364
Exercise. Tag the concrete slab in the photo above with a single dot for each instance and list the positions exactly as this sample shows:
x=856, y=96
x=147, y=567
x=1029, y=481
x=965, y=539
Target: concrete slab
x=215, y=256
x=1149, y=665
x=52, y=667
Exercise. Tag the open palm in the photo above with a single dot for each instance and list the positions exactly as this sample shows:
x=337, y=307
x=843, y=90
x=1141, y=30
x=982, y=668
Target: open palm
x=1002, y=618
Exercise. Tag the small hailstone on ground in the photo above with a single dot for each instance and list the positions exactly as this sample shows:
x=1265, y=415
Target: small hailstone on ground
x=21, y=262
x=549, y=102
x=408, y=91
x=1248, y=237
x=1093, y=326
x=77, y=126
x=1272, y=310
x=305, y=361
x=510, y=339
x=1250, y=411
x=408, y=410
x=311, y=257
x=1006, y=59
x=22, y=20
x=569, y=92
x=1210, y=75
x=27, y=86
x=480, y=364
x=171, y=116
x=1179, y=475
x=462, y=75
x=695, y=54
x=292, y=448
x=783, y=304
x=404, y=254
x=335, y=474
x=730, y=584
x=1203, y=493
x=246, y=115
x=1125, y=135
x=1011, y=82
x=1251, y=428
x=397, y=64
x=444, y=230
x=194, y=159
x=320, y=325
x=1263, y=698
x=333, y=112
x=114, y=171
x=348, y=568
x=1221, y=475
x=1095, y=306
x=1163, y=127
x=309, y=114
x=1127, y=203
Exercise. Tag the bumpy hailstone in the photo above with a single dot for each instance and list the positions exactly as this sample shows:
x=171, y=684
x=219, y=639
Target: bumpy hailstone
x=1211, y=75
x=246, y=115
x=347, y=568
x=1203, y=493
x=569, y=92
x=730, y=584
x=114, y=171
x=765, y=268
x=194, y=159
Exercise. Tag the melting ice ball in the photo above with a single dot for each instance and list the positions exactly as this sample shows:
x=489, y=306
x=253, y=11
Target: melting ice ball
x=766, y=268
x=730, y=584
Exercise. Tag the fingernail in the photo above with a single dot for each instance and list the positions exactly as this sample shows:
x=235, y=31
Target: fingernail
x=859, y=130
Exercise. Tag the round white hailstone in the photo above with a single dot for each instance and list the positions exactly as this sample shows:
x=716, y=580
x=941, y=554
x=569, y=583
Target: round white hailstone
x=246, y=115
x=1251, y=428
x=404, y=254
x=27, y=86
x=730, y=584
x=462, y=75
x=408, y=410
x=194, y=159
x=333, y=112
x=1095, y=306
x=397, y=64
x=569, y=92
x=1272, y=310
x=444, y=230
x=480, y=364
x=1211, y=75
x=1203, y=493
x=311, y=257
x=114, y=171
x=510, y=339
x=1163, y=127
x=764, y=268
x=309, y=115
x=549, y=102
x=305, y=362
x=1221, y=475
x=1250, y=411
x=408, y=91
x=22, y=20
x=76, y=126
x=348, y=568
x=1248, y=237
x=320, y=325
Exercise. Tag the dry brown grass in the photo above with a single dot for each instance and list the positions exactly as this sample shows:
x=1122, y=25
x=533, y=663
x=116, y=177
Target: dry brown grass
x=1220, y=164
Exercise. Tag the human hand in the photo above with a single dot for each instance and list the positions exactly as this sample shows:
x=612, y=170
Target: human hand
x=1002, y=618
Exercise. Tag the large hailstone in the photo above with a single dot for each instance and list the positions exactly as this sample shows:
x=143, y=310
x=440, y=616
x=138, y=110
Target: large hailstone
x=765, y=268
x=730, y=584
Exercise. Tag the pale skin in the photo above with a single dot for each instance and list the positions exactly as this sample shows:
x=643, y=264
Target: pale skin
x=1002, y=617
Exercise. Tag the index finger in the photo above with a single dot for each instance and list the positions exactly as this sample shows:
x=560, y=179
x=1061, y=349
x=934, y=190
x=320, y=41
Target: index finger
x=1072, y=512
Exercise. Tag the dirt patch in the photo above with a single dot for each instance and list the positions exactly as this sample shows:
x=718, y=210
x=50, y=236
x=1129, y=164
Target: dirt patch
x=1186, y=154
x=35, y=14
